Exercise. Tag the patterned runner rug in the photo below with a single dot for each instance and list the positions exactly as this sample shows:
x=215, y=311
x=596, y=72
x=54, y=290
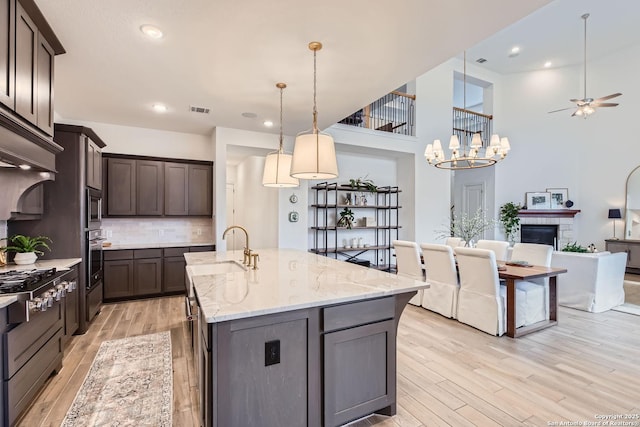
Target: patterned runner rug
x=130, y=383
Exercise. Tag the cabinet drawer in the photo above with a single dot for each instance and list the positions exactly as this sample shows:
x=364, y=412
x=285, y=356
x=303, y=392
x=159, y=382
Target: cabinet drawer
x=208, y=248
x=147, y=253
x=118, y=255
x=175, y=251
x=357, y=313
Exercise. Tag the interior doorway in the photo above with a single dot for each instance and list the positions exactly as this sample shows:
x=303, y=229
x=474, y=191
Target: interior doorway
x=235, y=240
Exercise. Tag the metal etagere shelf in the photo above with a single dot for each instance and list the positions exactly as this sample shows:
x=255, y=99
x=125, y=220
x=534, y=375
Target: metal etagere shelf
x=381, y=205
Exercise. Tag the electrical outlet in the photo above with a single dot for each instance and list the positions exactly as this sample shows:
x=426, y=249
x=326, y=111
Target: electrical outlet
x=271, y=352
x=199, y=231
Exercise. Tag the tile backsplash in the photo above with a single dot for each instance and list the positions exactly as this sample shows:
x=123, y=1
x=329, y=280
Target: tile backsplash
x=157, y=230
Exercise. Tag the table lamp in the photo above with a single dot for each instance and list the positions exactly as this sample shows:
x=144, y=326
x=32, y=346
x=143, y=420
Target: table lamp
x=614, y=214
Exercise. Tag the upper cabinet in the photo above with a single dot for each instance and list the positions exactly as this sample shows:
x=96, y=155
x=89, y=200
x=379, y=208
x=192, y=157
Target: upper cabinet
x=146, y=186
x=7, y=51
x=27, y=50
x=94, y=164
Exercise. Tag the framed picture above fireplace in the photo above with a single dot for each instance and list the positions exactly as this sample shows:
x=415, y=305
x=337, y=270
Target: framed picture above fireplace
x=559, y=197
x=538, y=200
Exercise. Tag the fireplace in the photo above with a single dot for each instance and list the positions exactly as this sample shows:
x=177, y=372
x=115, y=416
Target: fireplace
x=545, y=234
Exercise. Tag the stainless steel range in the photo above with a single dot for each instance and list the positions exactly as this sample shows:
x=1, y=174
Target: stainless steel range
x=33, y=333
x=37, y=290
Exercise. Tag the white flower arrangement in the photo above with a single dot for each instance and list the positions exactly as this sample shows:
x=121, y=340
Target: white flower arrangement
x=467, y=227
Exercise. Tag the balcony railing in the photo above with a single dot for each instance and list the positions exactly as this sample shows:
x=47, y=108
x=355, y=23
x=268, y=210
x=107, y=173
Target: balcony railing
x=394, y=112
x=467, y=122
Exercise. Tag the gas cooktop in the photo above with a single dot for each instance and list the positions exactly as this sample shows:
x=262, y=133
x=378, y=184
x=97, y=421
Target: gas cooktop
x=19, y=281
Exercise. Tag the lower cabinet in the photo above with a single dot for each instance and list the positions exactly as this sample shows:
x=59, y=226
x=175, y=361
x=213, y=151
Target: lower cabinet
x=319, y=366
x=132, y=273
x=71, y=307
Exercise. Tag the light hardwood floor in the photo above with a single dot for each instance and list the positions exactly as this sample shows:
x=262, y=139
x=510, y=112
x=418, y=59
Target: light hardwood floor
x=448, y=373
x=632, y=291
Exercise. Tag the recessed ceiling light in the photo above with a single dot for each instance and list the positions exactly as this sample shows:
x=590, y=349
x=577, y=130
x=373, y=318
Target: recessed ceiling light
x=151, y=31
x=249, y=115
x=159, y=108
x=24, y=167
x=268, y=123
x=515, y=49
x=547, y=64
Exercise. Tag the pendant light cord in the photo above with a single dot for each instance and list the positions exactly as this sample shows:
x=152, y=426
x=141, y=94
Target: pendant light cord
x=315, y=109
x=281, y=137
x=585, y=16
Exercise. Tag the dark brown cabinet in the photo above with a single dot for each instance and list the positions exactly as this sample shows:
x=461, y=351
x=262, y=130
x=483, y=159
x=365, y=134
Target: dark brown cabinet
x=631, y=247
x=71, y=307
x=147, y=274
x=7, y=51
x=121, y=187
x=94, y=164
x=200, y=190
x=149, y=187
x=44, y=82
x=118, y=276
x=146, y=186
x=135, y=273
x=176, y=189
x=173, y=270
x=26, y=65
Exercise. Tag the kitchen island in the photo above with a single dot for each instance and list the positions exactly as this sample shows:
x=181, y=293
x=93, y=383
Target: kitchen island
x=302, y=340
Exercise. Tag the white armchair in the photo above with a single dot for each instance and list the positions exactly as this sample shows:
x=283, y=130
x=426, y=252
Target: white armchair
x=442, y=295
x=409, y=264
x=593, y=281
x=454, y=242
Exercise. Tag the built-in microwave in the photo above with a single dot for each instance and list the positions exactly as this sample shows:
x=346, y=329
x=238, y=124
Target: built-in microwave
x=94, y=208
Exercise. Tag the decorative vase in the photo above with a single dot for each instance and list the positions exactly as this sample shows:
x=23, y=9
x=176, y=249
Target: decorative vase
x=23, y=258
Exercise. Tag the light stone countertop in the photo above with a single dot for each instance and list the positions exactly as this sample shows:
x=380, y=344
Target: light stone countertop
x=153, y=245
x=286, y=280
x=59, y=264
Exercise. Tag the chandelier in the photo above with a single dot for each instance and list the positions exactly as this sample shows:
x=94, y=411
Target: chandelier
x=469, y=154
x=277, y=165
x=314, y=153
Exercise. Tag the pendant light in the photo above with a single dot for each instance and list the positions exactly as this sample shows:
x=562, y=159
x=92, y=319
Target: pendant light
x=278, y=163
x=314, y=153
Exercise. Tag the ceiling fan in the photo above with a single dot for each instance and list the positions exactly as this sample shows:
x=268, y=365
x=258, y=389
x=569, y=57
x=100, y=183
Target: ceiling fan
x=587, y=106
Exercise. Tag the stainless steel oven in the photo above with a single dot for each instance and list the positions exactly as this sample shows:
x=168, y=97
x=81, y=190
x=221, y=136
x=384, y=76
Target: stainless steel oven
x=95, y=259
x=94, y=209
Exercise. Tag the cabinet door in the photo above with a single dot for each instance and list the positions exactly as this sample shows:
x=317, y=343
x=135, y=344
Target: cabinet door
x=200, y=190
x=94, y=164
x=359, y=368
x=7, y=52
x=118, y=279
x=121, y=183
x=147, y=276
x=173, y=273
x=72, y=313
x=176, y=189
x=26, y=65
x=150, y=187
x=44, y=90
x=633, y=260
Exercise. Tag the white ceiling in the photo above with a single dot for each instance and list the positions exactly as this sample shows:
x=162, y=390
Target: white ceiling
x=227, y=55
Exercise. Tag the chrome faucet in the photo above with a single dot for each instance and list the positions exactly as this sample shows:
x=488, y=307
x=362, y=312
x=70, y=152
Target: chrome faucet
x=247, y=251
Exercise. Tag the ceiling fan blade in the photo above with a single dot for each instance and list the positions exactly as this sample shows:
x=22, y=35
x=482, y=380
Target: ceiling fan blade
x=562, y=109
x=574, y=113
x=604, y=104
x=604, y=98
x=576, y=100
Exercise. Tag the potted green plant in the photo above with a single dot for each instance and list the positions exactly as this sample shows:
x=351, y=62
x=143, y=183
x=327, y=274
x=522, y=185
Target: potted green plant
x=510, y=220
x=575, y=247
x=27, y=248
x=346, y=218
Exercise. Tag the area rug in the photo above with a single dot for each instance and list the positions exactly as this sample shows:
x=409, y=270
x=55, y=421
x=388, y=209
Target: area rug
x=130, y=383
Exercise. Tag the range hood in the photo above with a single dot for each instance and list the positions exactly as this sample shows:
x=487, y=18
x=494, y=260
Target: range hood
x=27, y=157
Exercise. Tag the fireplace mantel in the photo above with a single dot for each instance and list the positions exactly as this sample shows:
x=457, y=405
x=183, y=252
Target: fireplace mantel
x=548, y=213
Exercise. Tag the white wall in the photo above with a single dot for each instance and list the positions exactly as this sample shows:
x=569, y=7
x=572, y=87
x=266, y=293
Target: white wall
x=591, y=157
x=150, y=142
